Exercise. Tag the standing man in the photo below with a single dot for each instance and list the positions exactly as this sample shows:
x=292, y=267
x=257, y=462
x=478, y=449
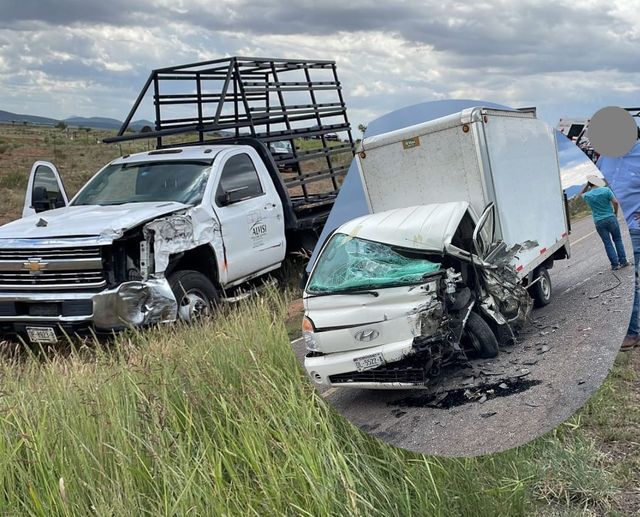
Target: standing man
x=604, y=209
x=623, y=176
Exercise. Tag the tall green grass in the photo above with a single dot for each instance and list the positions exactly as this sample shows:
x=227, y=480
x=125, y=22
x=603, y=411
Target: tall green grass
x=218, y=419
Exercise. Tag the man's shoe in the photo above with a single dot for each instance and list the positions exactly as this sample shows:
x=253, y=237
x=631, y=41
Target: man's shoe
x=624, y=264
x=629, y=343
x=615, y=267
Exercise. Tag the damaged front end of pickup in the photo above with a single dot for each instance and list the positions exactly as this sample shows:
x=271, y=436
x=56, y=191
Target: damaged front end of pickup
x=140, y=291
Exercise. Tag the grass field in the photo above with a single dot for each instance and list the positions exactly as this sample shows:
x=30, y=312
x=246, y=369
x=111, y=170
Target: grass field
x=219, y=419
x=79, y=153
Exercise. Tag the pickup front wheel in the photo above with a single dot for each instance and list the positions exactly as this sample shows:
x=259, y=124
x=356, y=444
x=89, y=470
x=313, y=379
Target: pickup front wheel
x=195, y=294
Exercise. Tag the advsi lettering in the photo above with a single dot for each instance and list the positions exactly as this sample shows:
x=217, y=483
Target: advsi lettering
x=258, y=230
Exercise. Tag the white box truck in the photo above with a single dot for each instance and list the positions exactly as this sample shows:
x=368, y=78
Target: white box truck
x=467, y=215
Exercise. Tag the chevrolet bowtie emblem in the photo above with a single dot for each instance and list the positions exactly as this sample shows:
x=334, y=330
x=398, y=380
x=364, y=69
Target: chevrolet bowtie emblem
x=35, y=266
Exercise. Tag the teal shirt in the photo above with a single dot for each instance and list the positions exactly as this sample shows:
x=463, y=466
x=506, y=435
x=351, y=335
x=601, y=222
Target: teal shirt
x=599, y=200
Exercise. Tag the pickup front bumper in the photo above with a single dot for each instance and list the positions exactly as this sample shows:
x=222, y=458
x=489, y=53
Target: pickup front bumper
x=129, y=304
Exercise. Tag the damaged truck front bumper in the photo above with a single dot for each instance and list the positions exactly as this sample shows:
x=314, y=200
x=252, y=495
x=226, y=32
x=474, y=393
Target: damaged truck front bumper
x=338, y=369
x=130, y=304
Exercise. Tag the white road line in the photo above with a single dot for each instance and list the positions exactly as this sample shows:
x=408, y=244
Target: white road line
x=328, y=393
x=583, y=238
x=577, y=285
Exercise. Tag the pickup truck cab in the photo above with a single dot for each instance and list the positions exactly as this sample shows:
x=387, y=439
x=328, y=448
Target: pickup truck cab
x=151, y=237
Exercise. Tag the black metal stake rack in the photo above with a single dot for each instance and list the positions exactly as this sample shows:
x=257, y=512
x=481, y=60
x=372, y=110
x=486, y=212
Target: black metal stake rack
x=271, y=100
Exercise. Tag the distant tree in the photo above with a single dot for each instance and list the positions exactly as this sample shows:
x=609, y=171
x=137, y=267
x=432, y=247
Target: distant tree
x=61, y=125
x=145, y=129
x=362, y=128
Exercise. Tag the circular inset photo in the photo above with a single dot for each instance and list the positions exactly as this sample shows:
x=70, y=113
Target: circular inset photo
x=472, y=285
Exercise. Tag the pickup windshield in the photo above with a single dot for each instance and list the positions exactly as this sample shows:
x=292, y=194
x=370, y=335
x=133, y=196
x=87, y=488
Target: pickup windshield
x=181, y=181
x=349, y=263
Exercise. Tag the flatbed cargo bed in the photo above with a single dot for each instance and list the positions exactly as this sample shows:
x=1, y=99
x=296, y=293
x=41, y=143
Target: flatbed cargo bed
x=294, y=109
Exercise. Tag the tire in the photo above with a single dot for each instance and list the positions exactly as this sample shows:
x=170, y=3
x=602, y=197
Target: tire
x=195, y=294
x=478, y=339
x=541, y=291
x=504, y=335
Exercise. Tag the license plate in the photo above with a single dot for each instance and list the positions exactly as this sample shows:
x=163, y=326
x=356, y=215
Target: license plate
x=42, y=335
x=367, y=362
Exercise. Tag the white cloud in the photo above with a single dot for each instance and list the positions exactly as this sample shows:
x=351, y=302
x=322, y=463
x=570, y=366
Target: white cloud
x=567, y=59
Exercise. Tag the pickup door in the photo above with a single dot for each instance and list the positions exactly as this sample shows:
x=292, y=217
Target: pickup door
x=45, y=190
x=250, y=214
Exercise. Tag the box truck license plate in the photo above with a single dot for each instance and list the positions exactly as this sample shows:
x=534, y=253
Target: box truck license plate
x=367, y=362
x=42, y=335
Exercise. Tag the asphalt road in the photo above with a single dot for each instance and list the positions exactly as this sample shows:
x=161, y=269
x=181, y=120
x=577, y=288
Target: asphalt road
x=561, y=358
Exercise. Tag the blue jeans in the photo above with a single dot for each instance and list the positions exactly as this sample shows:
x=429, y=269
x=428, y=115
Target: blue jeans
x=634, y=327
x=609, y=229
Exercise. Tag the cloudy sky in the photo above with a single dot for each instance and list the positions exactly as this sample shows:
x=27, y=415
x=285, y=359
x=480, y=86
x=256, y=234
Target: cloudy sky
x=90, y=58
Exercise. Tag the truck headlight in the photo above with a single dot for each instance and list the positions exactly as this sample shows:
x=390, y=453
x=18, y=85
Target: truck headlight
x=308, y=334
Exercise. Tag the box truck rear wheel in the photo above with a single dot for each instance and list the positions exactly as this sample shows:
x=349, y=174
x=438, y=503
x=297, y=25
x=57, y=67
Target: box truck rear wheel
x=478, y=339
x=195, y=294
x=541, y=291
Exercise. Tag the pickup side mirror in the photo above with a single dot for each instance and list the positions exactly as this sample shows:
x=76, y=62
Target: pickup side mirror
x=45, y=190
x=231, y=196
x=480, y=246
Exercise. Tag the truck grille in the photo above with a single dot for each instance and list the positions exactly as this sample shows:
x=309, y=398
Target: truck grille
x=51, y=269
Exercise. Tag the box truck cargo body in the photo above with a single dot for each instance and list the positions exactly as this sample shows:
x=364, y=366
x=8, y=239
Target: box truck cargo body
x=481, y=156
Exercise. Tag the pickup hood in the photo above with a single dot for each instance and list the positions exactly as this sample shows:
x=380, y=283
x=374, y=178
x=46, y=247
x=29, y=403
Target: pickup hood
x=89, y=220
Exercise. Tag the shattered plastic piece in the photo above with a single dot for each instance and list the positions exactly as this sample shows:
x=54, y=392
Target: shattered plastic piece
x=503, y=386
x=483, y=399
x=110, y=234
x=489, y=414
x=489, y=373
x=179, y=232
x=351, y=263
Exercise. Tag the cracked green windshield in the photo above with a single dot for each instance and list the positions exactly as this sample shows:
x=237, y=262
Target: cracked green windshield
x=349, y=263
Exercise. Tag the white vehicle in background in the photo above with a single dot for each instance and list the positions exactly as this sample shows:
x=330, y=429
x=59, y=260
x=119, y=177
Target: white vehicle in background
x=572, y=128
x=396, y=295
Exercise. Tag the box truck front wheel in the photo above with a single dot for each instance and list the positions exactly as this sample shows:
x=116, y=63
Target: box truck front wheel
x=478, y=338
x=541, y=290
x=195, y=294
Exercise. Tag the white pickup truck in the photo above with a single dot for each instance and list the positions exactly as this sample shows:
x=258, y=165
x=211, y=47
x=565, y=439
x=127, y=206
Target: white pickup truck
x=169, y=233
x=466, y=216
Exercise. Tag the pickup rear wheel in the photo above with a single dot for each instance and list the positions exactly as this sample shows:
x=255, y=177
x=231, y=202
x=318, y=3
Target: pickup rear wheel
x=195, y=294
x=541, y=290
x=478, y=339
